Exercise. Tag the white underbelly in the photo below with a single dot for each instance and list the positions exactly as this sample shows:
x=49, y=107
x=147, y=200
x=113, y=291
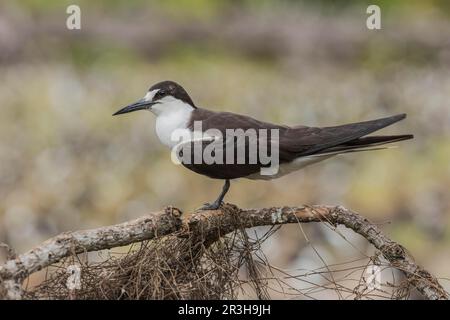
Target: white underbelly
x=286, y=168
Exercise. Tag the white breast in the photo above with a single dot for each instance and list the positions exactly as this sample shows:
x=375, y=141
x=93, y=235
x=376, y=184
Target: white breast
x=171, y=114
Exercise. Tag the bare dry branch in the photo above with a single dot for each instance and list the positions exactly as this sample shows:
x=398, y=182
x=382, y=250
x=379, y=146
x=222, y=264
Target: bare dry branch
x=68, y=243
x=201, y=229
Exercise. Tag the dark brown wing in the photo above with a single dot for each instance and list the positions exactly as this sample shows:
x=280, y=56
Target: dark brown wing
x=304, y=141
x=294, y=142
x=222, y=121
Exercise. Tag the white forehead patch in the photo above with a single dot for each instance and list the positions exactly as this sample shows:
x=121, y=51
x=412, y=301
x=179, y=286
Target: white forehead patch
x=149, y=96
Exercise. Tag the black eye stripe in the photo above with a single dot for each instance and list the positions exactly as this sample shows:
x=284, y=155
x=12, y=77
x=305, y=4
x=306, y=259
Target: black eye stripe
x=160, y=93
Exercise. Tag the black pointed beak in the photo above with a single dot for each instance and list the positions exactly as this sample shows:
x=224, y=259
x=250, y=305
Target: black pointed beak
x=139, y=105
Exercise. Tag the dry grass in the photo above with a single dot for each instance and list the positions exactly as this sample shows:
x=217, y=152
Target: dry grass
x=180, y=267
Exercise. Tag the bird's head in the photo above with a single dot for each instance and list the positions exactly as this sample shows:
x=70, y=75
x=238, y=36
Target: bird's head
x=161, y=97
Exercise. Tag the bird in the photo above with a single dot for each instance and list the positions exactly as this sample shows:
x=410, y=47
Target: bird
x=297, y=146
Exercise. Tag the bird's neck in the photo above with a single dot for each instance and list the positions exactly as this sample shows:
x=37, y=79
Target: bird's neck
x=171, y=116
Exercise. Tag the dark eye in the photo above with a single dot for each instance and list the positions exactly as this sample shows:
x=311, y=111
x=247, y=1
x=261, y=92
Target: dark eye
x=161, y=93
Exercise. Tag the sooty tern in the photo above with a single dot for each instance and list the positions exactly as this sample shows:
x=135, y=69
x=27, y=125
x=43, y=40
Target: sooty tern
x=298, y=146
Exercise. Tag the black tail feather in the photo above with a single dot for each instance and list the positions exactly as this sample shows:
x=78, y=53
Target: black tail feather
x=344, y=134
x=370, y=141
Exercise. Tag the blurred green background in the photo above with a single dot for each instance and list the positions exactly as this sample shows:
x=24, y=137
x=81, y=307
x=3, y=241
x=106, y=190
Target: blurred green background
x=67, y=164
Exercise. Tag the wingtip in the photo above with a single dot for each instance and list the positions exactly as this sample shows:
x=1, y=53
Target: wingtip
x=400, y=116
x=392, y=119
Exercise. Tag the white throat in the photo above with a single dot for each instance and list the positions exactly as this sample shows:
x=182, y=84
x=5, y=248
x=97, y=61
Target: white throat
x=171, y=114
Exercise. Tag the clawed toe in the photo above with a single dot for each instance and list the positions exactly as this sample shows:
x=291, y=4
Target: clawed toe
x=216, y=204
x=210, y=206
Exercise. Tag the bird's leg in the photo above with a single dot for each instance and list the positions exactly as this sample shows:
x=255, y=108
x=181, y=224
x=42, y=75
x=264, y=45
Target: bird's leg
x=216, y=204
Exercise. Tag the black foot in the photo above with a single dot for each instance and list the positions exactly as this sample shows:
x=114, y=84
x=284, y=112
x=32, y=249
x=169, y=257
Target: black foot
x=211, y=206
x=216, y=204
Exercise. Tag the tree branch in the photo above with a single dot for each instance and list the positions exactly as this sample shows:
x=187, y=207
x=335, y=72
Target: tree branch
x=209, y=226
x=69, y=243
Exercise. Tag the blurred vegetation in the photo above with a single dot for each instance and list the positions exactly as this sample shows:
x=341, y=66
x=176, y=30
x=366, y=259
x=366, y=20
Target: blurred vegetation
x=66, y=164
